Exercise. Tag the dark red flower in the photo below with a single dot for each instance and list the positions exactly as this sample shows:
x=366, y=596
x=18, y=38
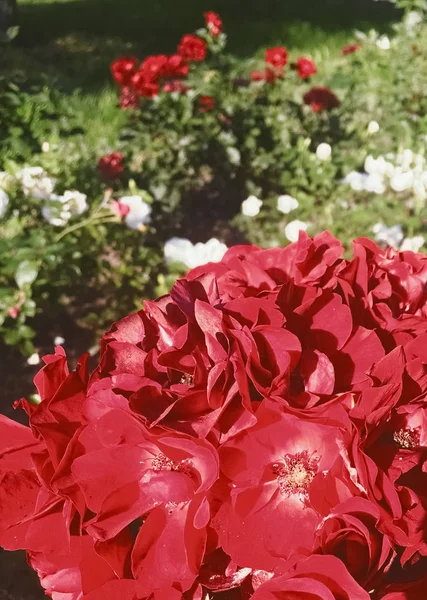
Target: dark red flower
x=206, y=103
x=277, y=57
x=143, y=86
x=321, y=98
x=192, y=47
x=213, y=23
x=315, y=578
x=154, y=67
x=305, y=67
x=176, y=66
x=350, y=49
x=123, y=69
x=111, y=165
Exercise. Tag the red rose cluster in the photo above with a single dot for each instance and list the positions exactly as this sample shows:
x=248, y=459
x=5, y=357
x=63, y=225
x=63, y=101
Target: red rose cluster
x=276, y=60
x=259, y=433
x=162, y=72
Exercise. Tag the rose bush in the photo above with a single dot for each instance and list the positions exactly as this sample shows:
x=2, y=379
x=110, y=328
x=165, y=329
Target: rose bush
x=206, y=152
x=260, y=431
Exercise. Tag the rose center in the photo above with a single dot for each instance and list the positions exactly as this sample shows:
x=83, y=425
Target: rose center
x=295, y=472
x=187, y=379
x=409, y=439
x=163, y=463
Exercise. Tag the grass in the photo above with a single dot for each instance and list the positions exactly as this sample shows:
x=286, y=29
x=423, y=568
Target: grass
x=73, y=42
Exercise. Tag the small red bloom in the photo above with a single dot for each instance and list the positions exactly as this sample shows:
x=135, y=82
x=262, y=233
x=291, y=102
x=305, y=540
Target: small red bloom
x=176, y=66
x=305, y=67
x=13, y=312
x=143, y=86
x=191, y=47
x=257, y=76
x=213, y=22
x=154, y=67
x=278, y=57
x=350, y=49
x=129, y=98
x=111, y=166
x=321, y=98
x=123, y=69
x=175, y=86
x=206, y=103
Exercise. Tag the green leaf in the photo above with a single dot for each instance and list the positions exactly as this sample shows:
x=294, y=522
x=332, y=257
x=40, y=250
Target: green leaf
x=26, y=273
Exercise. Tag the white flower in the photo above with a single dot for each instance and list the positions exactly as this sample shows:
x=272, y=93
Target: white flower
x=412, y=19
x=75, y=201
x=375, y=183
x=58, y=341
x=383, y=43
x=58, y=210
x=323, y=151
x=392, y=236
x=56, y=215
x=355, y=180
x=194, y=255
x=36, y=182
x=286, y=203
x=378, y=165
x=139, y=212
x=233, y=155
x=251, y=206
x=45, y=147
x=4, y=201
x=6, y=180
x=373, y=127
x=34, y=359
x=414, y=244
x=401, y=180
x=293, y=228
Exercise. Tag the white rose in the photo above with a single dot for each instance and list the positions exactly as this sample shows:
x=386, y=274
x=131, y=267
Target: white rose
x=56, y=215
x=383, y=43
x=45, y=147
x=36, y=182
x=4, y=201
x=139, y=212
x=355, y=180
x=286, y=204
x=375, y=183
x=401, y=180
x=58, y=341
x=193, y=255
x=251, y=206
x=373, y=127
x=75, y=201
x=323, y=151
x=392, y=236
x=413, y=244
x=293, y=228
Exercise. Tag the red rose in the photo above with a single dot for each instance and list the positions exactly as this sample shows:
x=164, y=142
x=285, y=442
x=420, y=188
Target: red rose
x=175, y=86
x=111, y=166
x=315, y=578
x=176, y=66
x=129, y=98
x=353, y=533
x=257, y=76
x=123, y=69
x=350, y=49
x=277, y=57
x=321, y=98
x=305, y=67
x=272, y=469
x=191, y=47
x=213, y=23
x=143, y=86
x=206, y=103
x=154, y=67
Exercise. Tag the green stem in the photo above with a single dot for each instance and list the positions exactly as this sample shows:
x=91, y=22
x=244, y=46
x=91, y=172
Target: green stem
x=93, y=219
